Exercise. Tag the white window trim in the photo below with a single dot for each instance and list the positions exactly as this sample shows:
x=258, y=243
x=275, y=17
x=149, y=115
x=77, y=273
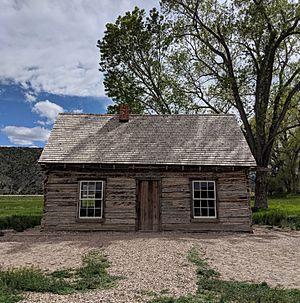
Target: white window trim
x=199, y=199
x=80, y=199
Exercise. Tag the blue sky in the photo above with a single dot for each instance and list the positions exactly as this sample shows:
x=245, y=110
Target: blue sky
x=49, y=63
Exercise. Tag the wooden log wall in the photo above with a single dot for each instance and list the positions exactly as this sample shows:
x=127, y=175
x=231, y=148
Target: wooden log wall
x=62, y=198
x=62, y=195
x=233, y=203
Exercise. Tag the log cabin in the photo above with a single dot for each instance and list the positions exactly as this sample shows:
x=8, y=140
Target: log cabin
x=146, y=173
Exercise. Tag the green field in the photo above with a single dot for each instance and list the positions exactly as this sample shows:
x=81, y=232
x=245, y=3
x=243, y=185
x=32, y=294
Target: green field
x=291, y=204
x=282, y=212
x=21, y=205
x=20, y=212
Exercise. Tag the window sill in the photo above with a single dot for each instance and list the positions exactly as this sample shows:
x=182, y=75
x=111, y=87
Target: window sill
x=204, y=220
x=90, y=220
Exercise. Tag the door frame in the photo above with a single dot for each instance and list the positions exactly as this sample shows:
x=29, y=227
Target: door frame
x=137, y=203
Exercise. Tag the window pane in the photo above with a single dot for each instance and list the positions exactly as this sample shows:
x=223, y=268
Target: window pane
x=211, y=186
x=91, y=186
x=98, y=212
x=211, y=194
x=203, y=185
x=91, y=195
x=196, y=203
x=87, y=203
x=99, y=186
x=197, y=185
x=84, y=186
x=82, y=212
x=211, y=212
x=83, y=194
x=204, y=203
x=97, y=203
x=90, y=212
x=211, y=203
x=203, y=194
x=197, y=194
x=98, y=195
x=197, y=212
x=204, y=212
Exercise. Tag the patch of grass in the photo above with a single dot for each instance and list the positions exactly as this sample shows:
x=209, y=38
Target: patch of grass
x=282, y=212
x=92, y=274
x=20, y=212
x=290, y=203
x=8, y=296
x=33, y=279
x=211, y=289
x=21, y=205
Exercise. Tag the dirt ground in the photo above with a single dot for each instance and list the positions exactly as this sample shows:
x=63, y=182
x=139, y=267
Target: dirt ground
x=157, y=262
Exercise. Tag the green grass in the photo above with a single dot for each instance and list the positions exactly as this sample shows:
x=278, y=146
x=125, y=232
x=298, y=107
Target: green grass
x=290, y=204
x=21, y=205
x=91, y=275
x=282, y=212
x=212, y=289
x=20, y=212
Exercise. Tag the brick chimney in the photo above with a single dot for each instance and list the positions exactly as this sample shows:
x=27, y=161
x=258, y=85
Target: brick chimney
x=123, y=112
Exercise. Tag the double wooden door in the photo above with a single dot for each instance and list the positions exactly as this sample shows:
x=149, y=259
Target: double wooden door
x=148, y=205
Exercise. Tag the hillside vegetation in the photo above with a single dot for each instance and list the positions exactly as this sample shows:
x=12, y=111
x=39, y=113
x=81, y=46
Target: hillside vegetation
x=19, y=171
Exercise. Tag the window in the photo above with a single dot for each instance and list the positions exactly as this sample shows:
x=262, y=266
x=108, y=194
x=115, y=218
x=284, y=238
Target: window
x=204, y=199
x=91, y=199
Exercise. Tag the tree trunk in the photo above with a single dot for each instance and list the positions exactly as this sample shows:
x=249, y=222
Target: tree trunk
x=261, y=190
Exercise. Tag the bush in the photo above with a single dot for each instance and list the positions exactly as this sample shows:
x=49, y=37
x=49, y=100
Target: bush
x=19, y=222
x=276, y=217
x=294, y=222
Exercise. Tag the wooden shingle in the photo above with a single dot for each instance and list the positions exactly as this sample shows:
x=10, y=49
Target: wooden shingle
x=148, y=139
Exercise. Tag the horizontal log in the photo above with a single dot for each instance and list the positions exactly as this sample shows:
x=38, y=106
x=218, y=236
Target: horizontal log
x=90, y=227
x=207, y=227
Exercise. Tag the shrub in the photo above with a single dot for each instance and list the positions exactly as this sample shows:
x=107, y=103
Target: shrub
x=19, y=222
x=276, y=217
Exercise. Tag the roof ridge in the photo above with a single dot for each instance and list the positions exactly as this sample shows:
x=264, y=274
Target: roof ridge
x=145, y=115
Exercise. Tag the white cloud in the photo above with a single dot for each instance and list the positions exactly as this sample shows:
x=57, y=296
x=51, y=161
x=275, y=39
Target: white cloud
x=30, y=97
x=47, y=109
x=51, y=44
x=25, y=135
x=77, y=111
x=40, y=122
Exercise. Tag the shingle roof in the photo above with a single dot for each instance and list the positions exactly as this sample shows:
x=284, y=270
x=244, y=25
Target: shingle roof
x=148, y=139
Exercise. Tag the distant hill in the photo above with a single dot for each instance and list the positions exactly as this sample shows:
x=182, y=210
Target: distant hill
x=19, y=172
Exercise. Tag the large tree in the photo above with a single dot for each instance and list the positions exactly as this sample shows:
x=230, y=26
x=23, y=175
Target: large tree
x=240, y=56
x=285, y=159
x=135, y=60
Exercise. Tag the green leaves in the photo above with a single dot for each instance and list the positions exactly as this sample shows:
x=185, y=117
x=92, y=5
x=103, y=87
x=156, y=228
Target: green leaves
x=136, y=59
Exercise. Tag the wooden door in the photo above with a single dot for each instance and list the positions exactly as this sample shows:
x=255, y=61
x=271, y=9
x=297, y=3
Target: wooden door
x=148, y=205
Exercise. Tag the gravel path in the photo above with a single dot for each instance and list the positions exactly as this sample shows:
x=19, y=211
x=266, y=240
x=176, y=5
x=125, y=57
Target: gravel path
x=157, y=262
